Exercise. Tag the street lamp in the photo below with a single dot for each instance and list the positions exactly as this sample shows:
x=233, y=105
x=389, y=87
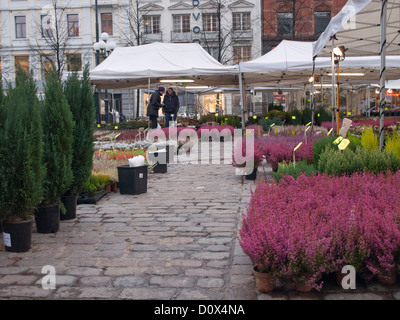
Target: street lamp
x=338, y=54
x=104, y=48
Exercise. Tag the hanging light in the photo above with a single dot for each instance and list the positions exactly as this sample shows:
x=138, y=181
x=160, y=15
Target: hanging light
x=339, y=51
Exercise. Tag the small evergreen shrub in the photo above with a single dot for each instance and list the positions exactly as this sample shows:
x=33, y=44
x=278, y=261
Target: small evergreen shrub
x=369, y=140
x=21, y=150
x=294, y=171
x=58, y=137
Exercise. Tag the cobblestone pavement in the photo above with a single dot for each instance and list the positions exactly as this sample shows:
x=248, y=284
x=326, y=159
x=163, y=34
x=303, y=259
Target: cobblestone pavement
x=177, y=241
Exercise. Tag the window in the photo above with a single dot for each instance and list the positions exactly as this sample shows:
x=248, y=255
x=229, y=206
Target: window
x=181, y=23
x=46, y=26
x=46, y=63
x=214, y=52
x=22, y=62
x=20, y=27
x=321, y=21
x=73, y=25
x=107, y=23
x=74, y=62
x=151, y=24
x=241, y=21
x=241, y=53
x=210, y=22
x=285, y=23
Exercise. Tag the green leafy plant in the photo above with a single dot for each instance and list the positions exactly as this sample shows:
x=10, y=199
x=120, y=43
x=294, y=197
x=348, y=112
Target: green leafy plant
x=80, y=99
x=369, y=139
x=347, y=162
x=57, y=137
x=21, y=150
x=392, y=144
x=320, y=145
x=302, y=167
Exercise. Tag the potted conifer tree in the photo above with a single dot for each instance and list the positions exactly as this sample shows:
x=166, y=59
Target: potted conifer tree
x=57, y=153
x=80, y=99
x=21, y=166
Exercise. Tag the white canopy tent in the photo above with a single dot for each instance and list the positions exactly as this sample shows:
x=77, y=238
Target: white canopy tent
x=290, y=64
x=366, y=27
x=135, y=67
x=393, y=84
x=358, y=27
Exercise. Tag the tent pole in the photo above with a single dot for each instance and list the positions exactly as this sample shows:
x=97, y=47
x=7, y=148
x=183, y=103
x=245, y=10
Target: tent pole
x=382, y=77
x=333, y=95
x=312, y=97
x=241, y=99
x=148, y=98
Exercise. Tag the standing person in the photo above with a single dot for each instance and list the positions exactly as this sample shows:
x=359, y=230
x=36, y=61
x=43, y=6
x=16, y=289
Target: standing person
x=171, y=101
x=154, y=105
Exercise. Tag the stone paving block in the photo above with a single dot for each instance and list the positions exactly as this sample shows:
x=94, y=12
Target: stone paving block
x=147, y=294
x=12, y=270
x=211, y=255
x=201, y=272
x=272, y=296
x=67, y=293
x=200, y=294
x=18, y=279
x=353, y=296
x=99, y=293
x=23, y=291
x=95, y=281
x=129, y=281
x=172, y=282
x=160, y=270
x=122, y=271
x=210, y=283
x=83, y=272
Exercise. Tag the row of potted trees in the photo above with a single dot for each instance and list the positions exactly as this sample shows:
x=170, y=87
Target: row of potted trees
x=46, y=153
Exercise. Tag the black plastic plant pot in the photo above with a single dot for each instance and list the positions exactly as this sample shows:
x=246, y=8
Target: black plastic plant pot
x=252, y=176
x=70, y=203
x=161, y=158
x=132, y=180
x=47, y=219
x=160, y=168
x=17, y=236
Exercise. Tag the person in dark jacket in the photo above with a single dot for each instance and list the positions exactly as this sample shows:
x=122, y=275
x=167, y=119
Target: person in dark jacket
x=171, y=102
x=154, y=105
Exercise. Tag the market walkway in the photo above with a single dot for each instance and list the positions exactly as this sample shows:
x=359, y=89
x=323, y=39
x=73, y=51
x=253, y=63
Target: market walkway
x=177, y=241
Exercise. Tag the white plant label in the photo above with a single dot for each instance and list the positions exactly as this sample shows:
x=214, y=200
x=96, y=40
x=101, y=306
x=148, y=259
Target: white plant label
x=7, y=239
x=140, y=175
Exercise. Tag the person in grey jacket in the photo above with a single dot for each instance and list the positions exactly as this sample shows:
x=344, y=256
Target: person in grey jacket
x=171, y=102
x=154, y=105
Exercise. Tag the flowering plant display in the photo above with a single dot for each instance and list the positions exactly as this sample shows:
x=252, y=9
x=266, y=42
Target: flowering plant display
x=315, y=225
x=247, y=155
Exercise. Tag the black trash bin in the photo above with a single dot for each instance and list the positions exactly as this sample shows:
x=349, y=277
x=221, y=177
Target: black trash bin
x=132, y=180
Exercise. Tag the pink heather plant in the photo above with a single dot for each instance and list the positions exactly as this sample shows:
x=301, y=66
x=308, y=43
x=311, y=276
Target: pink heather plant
x=253, y=158
x=278, y=149
x=315, y=225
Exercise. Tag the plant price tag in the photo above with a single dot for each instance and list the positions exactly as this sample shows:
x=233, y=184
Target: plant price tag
x=7, y=239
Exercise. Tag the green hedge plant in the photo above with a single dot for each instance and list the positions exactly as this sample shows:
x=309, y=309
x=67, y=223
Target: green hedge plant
x=21, y=150
x=58, y=137
x=301, y=167
x=80, y=99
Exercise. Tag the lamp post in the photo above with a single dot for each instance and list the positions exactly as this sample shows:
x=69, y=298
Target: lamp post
x=338, y=54
x=104, y=49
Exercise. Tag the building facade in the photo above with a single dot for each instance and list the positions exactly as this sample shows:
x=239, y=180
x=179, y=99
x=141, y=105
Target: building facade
x=302, y=20
x=35, y=33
